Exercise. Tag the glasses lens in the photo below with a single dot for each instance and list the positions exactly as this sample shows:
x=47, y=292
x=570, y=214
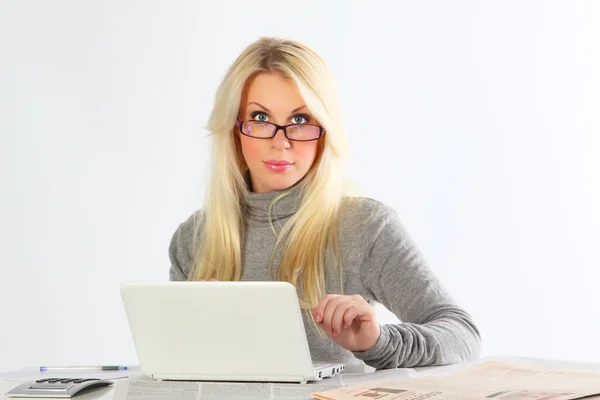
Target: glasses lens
x=258, y=129
x=303, y=132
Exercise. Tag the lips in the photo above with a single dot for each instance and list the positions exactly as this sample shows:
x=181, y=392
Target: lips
x=278, y=165
x=278, y=162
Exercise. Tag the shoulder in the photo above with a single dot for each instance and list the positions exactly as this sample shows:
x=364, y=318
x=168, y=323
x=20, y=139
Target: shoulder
x=365, y=212
x=366, y=220
x=185, y=236
x=183, y=246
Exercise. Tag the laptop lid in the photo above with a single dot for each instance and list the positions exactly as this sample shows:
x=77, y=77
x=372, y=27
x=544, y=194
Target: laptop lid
x=232, y=331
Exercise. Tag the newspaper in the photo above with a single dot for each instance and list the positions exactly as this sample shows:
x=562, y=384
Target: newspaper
x=143, y=387
x=489, y=380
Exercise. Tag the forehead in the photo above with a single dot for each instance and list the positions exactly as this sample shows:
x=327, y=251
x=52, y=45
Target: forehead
x=274, y=91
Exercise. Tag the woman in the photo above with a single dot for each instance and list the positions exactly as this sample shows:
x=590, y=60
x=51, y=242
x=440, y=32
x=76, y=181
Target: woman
x=276, y=210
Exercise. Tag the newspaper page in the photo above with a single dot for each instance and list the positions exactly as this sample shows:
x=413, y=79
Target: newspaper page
x=143, y=387
x=489, y=380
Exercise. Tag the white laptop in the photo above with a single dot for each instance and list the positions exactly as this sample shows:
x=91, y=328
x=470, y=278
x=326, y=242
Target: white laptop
x=221, y=331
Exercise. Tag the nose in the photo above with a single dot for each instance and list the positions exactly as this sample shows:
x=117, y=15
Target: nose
x=279, y=141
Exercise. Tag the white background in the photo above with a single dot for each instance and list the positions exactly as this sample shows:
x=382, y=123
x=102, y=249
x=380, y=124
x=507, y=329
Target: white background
x=477, y=121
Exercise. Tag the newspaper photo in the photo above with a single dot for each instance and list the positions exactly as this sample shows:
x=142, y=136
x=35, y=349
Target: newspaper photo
x=489, y=380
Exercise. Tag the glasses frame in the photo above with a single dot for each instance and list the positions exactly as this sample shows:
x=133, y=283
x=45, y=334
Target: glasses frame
x=277, y=128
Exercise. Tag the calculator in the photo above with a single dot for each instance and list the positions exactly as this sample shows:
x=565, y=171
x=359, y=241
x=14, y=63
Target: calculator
x=57, y=387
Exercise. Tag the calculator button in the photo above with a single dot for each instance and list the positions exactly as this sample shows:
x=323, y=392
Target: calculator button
x=42, y=380
x=68, y=380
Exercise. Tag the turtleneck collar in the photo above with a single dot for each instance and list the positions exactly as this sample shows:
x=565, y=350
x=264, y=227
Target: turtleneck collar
x=257, y=204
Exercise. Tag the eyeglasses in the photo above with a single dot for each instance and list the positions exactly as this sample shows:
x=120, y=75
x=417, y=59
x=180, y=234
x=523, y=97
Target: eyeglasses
x=267, y=130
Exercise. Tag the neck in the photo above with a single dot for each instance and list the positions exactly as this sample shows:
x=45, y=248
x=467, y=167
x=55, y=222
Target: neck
x=260, y=207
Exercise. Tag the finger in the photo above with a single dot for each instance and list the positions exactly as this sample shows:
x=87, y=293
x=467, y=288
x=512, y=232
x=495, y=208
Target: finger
x=349, y=316
x=319, y=311
x=332, y=305
x=361, y=312
x=338, y=320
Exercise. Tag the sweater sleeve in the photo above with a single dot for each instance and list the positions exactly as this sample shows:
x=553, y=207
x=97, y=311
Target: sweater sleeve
x=181, y=250
x=434, y=329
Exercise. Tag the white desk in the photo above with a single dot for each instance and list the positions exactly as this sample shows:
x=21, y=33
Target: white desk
x=138, y=387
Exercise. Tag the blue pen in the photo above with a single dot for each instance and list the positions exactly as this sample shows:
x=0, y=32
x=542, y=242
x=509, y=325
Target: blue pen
x=85, y=368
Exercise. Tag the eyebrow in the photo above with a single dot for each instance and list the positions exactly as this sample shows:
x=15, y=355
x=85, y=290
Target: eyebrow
x=269, y=111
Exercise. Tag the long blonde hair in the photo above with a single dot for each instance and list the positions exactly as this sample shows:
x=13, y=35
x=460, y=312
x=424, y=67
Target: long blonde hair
x=313, y=228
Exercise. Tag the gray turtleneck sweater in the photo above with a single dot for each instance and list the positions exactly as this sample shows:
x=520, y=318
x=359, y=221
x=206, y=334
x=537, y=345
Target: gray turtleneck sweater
x=381, y=263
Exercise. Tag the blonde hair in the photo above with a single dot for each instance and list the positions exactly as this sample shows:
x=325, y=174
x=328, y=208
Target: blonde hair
x=313, y=228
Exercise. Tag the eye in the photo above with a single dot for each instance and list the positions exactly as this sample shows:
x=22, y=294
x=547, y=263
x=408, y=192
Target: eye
x=259, y=116
x=300, y=119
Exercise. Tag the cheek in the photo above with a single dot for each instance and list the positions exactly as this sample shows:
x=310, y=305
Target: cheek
x=250, y=149
x=306, y=153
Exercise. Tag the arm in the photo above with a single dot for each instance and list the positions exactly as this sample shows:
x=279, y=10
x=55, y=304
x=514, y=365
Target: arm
x=435, y=330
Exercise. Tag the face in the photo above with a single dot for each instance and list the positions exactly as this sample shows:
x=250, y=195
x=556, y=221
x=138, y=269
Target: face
x=276, y=163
